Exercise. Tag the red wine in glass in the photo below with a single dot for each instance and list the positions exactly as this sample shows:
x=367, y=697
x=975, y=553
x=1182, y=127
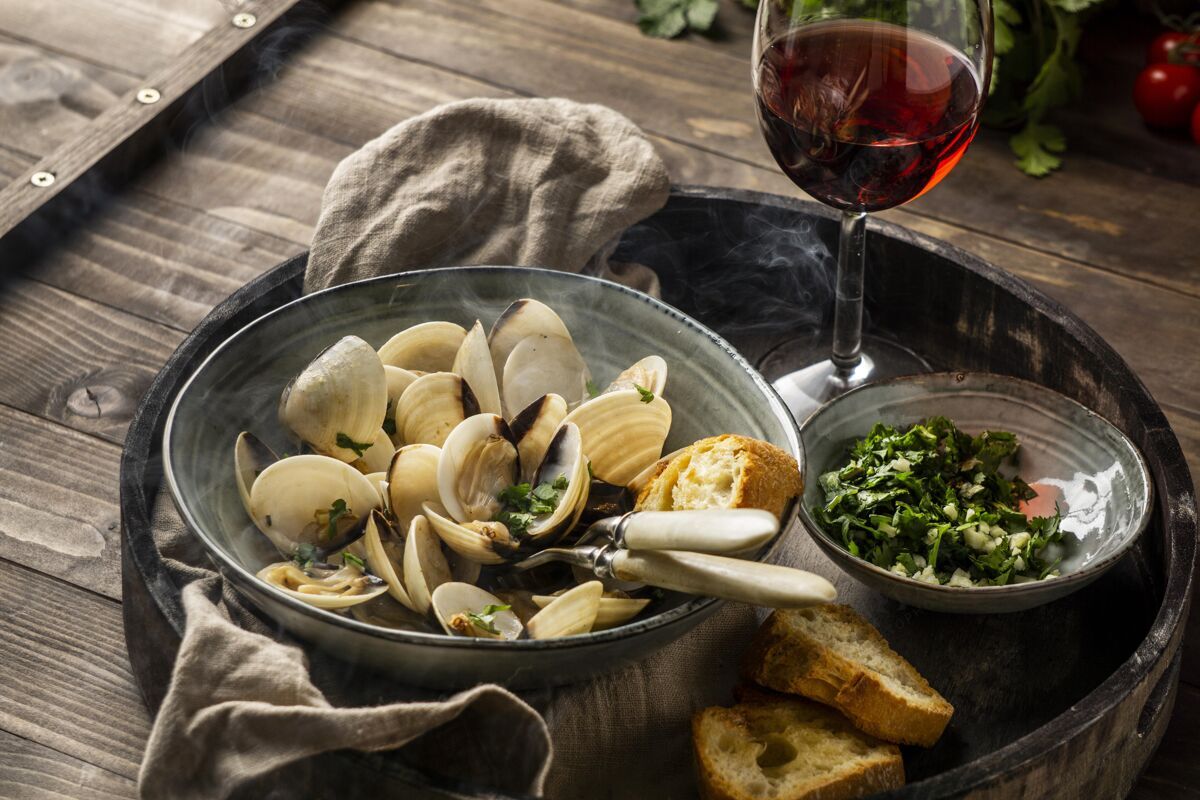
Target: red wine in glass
x=866, y=115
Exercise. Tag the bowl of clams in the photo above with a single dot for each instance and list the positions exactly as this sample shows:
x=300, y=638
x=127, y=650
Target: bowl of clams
x=434, y=474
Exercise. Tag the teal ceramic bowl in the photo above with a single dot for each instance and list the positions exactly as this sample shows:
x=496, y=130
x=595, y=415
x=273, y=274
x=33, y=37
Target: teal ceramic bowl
x=710, y=387
x=1072, y=455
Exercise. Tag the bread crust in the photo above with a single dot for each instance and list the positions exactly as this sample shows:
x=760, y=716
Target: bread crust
x=787, y=659
x=770, y=477
x=883, y=771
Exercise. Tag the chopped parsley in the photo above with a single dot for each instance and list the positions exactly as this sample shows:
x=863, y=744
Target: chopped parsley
x=349, y=558
x=523, y=503
x=336, y=511
x=592, y=389
x=305, y=555
x=930, y=503
x=485, y=620
x=647, y=395
x=359, y=448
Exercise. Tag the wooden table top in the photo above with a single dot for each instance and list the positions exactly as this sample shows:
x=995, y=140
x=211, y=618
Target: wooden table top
x=1114, y=236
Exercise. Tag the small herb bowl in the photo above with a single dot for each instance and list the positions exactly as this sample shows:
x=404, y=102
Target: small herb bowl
x=1103, y=486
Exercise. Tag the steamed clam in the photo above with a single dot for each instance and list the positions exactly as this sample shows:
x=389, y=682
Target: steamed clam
x=442, y=455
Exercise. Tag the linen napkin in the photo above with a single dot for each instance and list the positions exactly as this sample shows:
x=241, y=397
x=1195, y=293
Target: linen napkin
x=536, y=182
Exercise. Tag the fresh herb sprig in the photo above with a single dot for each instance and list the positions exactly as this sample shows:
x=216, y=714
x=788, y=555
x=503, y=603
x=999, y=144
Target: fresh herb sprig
x=485, y=620
x=523, y=503
x=344, y=441
x=930, y=502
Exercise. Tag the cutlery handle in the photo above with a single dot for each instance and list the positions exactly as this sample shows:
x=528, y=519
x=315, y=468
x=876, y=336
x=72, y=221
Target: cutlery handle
x=728, y=578
x=727, y=530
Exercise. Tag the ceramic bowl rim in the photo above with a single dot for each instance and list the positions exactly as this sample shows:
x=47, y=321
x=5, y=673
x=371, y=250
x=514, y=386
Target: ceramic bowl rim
x=952, y=594
x=239, y=574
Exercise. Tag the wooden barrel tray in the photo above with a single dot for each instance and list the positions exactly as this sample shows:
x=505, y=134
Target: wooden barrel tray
x=1067, y=700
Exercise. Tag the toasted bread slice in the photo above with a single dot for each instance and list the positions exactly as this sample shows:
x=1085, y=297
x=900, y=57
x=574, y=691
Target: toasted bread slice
x=831, y=654
x=789, y=749
x=726, y=471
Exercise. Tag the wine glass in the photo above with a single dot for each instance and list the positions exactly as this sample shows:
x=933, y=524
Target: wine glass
x=865, y=104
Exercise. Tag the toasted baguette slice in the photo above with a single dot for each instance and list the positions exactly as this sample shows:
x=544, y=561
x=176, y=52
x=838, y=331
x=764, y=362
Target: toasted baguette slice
x=831, y=654
x=727, y=471
x=789, y=749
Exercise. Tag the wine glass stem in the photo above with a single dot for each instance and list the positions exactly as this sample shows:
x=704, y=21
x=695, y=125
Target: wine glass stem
x=848, y=311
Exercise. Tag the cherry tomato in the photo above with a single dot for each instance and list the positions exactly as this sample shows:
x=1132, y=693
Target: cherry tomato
x=1165, y=94
x=1196, y=124
x=1164, y=49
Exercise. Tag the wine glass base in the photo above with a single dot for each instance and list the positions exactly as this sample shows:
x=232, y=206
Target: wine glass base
x=806, y=389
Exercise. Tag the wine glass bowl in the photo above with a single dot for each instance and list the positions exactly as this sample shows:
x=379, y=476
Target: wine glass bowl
x=865, y=104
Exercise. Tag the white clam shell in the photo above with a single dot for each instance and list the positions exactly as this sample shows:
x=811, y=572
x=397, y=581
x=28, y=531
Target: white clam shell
x=452, y=599
x=379, y=481
x=250, y=457
x=478, y=461
x=474, y=363
x=412, y=481
x=569, y=614
x=622, y=435
x=397, y=381
x=291, y=499
x=522, y=318
x=342, y=588
x=533, y=429
x=428, y=347
x=565, y=458
x=432, y=405
x=425, y=567
x=542, y=364
x=613, y=611
x=385, y=555
x=378, y=456
x=650, y=373
x=480, y=542
x=343, y=391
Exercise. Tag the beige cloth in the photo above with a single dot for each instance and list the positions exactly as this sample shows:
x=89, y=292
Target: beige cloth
x=534, y=182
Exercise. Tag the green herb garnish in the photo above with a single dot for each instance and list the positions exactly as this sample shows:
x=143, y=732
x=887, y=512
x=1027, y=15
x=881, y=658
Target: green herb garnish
x=349, y=558
x=485, y=620
x=592, y=389
x=524, y=502
x=359, y=448
x=336, y=511
x=930, y=503
x=305, y=555
x=647, y=395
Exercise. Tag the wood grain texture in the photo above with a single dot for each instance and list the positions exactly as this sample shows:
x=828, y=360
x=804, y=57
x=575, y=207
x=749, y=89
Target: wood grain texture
x=64, y=677
x=32, y=771
x=1171, y=774
x=58, y=503
x=76, y=361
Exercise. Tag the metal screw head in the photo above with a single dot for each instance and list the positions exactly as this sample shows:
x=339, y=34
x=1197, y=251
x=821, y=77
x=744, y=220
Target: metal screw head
x=244, y=20
x=42, y=179
x=148, y=95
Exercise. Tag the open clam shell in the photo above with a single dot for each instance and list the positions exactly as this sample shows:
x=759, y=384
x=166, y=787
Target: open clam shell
x=569, y=614
x=564, y=459
x=432, y=406
x=474, y=363
x=533, y=429
x=612, y=611
x=397, y=381
x=250, y=457
x=478, y=461
x=540, y=365
x=412, y=481
x=650, y=373
x=324, y=588
x=480, y=542
x=313, y=500
x=340, y=398
x=463, y=610
x=622, y=433
x=522, y=318
x=425, y=567
x=428, y=347
x=385, y=557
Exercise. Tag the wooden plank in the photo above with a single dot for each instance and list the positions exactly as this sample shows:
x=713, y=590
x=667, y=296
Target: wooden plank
x=64, y=678
x=34, y=772
x=1172, y=773
x=47, y=98
x=76, y=361
x=59, y=515
x=689, y=93
x=123, y=136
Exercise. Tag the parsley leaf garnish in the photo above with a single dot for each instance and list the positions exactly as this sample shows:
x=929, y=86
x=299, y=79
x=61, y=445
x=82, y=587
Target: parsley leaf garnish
x=523, y=503
x=592, y=389
x=485, y=620
x=349, y=558
x=347, y=443
x=336, y=511
x=647, y=395
x=305, y=555
x=666, y=19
